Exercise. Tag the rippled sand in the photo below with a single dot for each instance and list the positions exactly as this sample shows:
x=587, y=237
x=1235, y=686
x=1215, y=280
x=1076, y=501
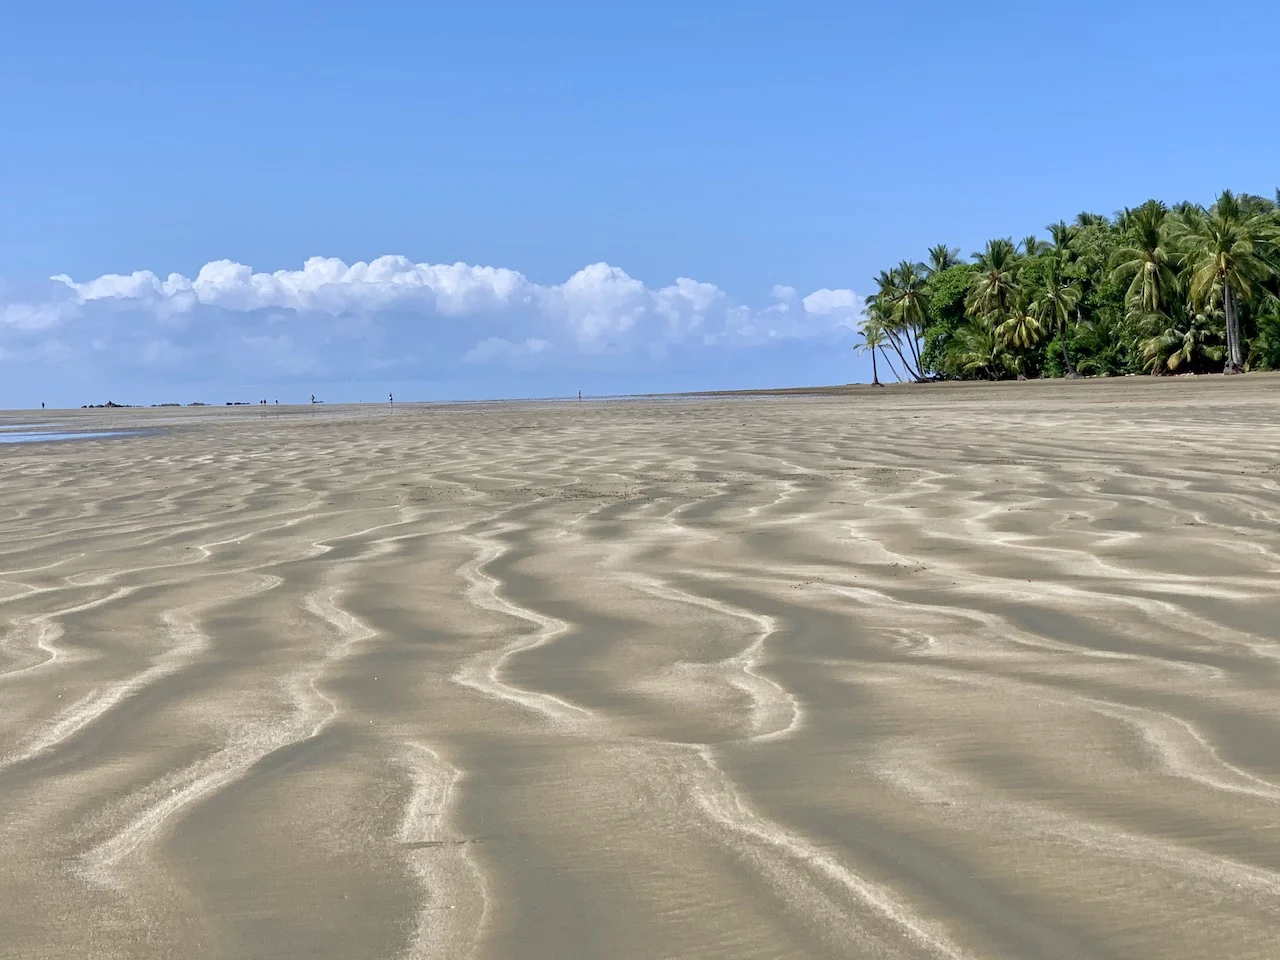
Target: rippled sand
x=953, y=672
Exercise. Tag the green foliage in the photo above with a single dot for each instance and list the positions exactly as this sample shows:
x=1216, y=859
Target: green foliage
x=1264, y=353
x=1191, y=344
x=1158, y=289
x=947, y=292
x=978, y=352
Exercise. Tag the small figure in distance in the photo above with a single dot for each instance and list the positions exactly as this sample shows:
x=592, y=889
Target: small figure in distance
x=41, y=404
x=391, y=399
x=579, y=396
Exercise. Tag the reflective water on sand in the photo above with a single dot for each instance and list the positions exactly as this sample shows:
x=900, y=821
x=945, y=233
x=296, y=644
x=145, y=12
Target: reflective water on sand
x=10, y=436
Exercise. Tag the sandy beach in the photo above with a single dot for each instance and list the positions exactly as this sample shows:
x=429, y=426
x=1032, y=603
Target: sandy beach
x=956, y=671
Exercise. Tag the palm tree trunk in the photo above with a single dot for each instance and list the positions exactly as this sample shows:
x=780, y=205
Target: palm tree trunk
x=913, y=342
x=892, y=368
x=913, y=359
x=1066, y=358
x=1066, y=354
x=1235, y=362
x=875, y=374
x=897, y=348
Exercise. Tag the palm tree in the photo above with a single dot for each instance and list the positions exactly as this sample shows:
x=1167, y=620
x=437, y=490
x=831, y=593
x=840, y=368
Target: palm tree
x=1032, y=246
x=1226, y=255
x=911, y=303
x=1253, y=204
x=1061, y=234
x=978, y=351
x=1147, y=262
x=1022, y=328
x=942, y=257
x=911, y=308
x=872, y=340
x=997, y=272
x=903, y=323
x=1189, y=344
x=1057, y=301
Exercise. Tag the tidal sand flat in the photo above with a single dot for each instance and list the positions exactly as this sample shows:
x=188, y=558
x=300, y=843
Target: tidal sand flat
x=960, y=671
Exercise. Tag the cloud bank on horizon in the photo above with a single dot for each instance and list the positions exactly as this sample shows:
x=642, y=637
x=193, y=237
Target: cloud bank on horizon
x=392, y=318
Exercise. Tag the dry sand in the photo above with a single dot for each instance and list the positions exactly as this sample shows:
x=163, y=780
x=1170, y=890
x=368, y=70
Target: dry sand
x=946, y=672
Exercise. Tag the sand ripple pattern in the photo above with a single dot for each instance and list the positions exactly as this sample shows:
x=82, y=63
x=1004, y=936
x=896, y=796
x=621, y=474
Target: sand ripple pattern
x=948, y=673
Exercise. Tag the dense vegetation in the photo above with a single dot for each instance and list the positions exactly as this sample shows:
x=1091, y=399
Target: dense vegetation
x=1156, y=289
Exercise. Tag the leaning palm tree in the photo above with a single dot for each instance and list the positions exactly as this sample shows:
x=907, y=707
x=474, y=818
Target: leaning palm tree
x=900, y=321
x=994, y=280
x=1226, y=253
x=942, y=257
x=1147, y=263
x=911, y=312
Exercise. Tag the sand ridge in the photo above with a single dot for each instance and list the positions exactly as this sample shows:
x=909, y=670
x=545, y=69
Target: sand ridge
x=980, y=671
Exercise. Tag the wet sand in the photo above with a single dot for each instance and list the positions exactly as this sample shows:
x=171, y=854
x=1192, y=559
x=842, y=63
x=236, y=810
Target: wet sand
x=945, y=672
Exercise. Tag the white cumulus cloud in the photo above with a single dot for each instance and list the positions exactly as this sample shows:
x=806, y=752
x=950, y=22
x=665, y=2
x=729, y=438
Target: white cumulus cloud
x=323, y=285
x=824, y=303
x=394, y=316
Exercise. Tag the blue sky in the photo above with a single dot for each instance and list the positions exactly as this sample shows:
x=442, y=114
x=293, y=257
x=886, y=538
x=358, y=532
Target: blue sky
x=616, y=198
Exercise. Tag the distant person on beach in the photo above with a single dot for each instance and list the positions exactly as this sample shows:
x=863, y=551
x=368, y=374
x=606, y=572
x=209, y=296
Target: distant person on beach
x=579, y=396
x=391, y=399
x=41, y=404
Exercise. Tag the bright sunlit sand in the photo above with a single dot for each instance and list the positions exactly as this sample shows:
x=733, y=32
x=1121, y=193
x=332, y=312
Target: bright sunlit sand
x=984, y=671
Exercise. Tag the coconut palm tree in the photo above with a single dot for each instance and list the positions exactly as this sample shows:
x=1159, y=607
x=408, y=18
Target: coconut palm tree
x=942, y=257
x=1253, y=204
x=1190, y=344
x=1032, y=246
x=1056, y=304
x=911, y=311
x=1148, y=262
x=1226, y=253
x=1060, y=236
x=911, y=303
x=1021, y=329
x=978, y=351
x=994, y=280
x=873, y=339
x=896, y=318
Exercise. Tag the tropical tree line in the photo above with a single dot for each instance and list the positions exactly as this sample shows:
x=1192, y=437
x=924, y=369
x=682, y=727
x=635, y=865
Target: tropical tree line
x=1154, y=289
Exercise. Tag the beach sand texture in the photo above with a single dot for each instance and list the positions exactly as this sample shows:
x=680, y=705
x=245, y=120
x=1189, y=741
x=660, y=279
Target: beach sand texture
x=984, y=671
